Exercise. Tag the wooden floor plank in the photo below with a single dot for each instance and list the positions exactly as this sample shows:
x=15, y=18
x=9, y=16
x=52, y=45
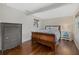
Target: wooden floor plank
x=29, y=48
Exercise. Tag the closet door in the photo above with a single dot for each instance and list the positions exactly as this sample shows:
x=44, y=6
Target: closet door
x=11, y=35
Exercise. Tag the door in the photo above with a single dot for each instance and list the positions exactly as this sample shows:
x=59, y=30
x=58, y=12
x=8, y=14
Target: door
x=11, y=35
x=76, y=31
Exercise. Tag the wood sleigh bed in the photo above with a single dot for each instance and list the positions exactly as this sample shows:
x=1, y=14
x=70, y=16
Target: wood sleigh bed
x=45, y=38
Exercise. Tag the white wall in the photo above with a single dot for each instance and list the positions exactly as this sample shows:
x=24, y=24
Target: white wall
x=63, y=21
x=66, y=23
x=11, y=15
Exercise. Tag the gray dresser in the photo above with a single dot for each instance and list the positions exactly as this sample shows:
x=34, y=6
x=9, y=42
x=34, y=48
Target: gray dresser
x=10, y=35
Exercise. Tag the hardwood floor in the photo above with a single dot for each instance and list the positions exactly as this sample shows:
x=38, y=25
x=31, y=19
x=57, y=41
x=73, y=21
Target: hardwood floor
x=27, y=48
x=67, y=48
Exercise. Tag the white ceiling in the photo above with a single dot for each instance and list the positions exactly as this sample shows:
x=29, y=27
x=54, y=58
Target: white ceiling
x=67, y=10
x=27, y=6
x=53, y=10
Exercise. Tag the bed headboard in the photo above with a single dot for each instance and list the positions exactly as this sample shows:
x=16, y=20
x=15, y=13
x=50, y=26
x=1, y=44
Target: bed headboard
x=56, y=26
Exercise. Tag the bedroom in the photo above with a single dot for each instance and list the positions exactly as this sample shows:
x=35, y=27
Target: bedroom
x=46, y=18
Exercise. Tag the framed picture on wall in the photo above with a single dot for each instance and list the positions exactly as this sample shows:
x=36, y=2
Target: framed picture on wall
x=36, y=23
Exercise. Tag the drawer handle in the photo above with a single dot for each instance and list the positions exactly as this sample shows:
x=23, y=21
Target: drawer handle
x=6, y=38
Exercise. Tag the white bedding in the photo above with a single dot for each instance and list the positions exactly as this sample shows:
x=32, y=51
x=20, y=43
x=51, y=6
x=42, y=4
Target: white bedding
x=56, y=32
